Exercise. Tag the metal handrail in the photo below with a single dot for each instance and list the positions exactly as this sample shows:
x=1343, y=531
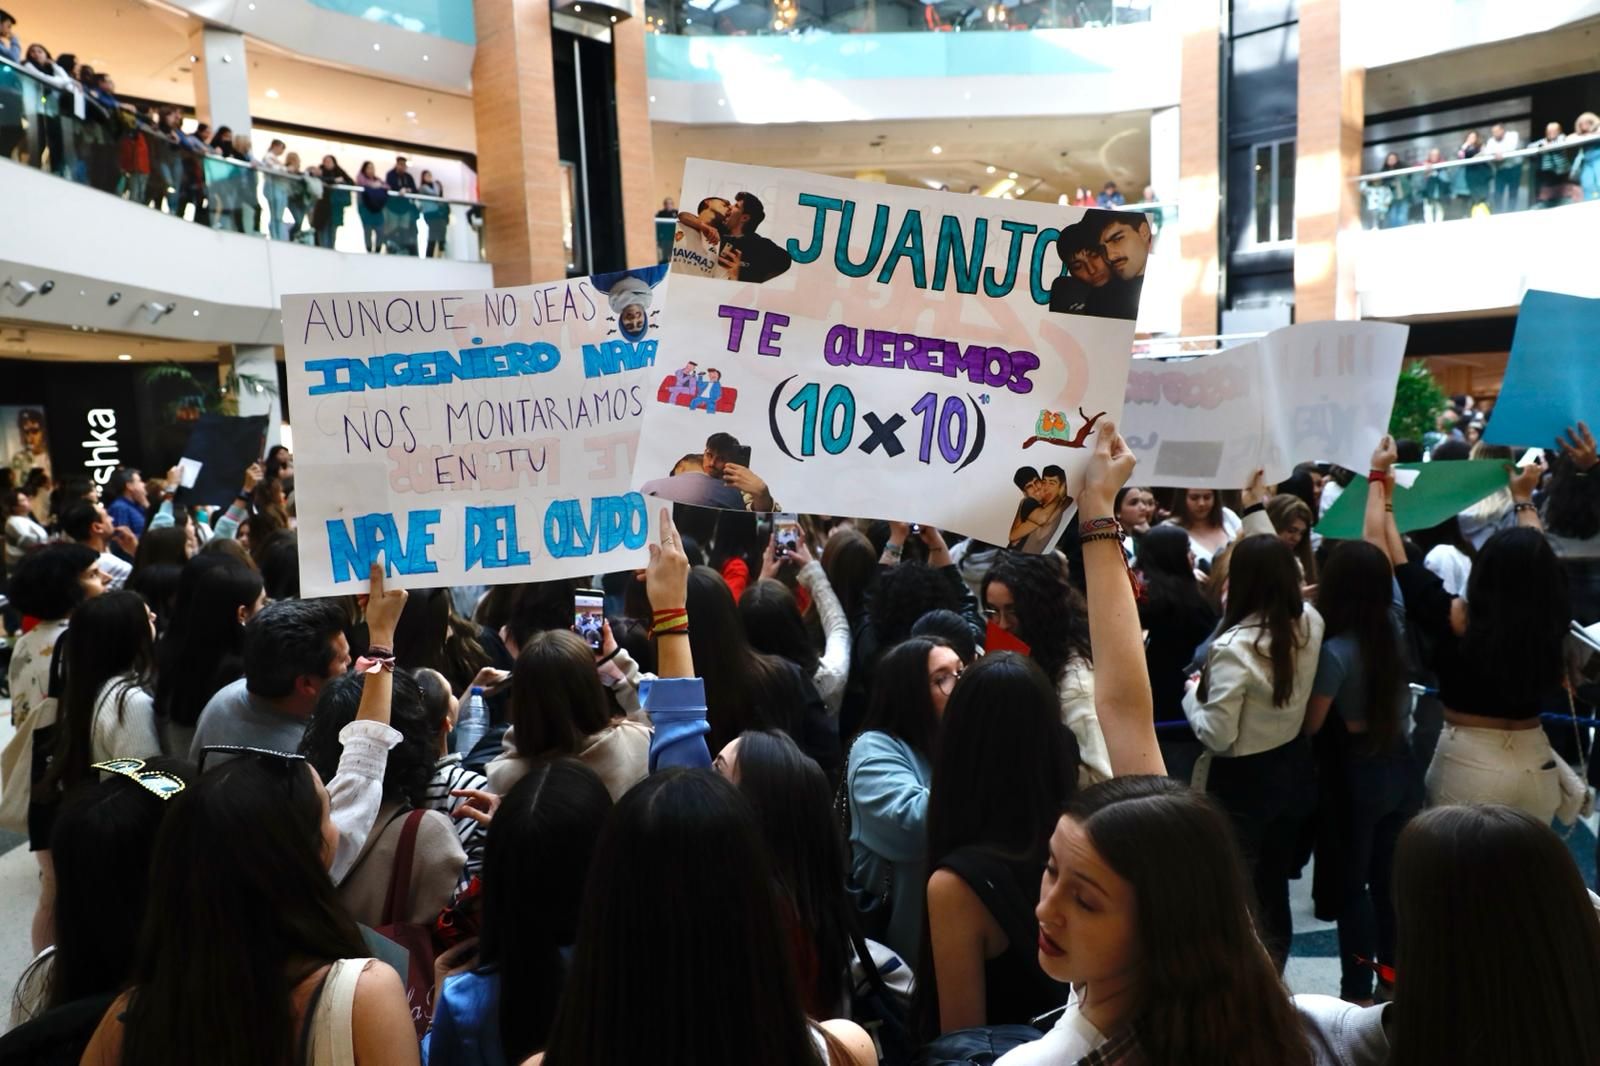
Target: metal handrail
x=1574, y=140
x=144, y=127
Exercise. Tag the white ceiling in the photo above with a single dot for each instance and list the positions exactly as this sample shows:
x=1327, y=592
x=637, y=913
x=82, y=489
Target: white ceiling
x=1537, y=57
x=145, y=48
x=24, y=341
x=1049, y=156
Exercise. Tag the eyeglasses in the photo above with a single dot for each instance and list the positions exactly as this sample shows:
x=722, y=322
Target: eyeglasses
x=158, y=783
x=945, y=681
x=281, y=757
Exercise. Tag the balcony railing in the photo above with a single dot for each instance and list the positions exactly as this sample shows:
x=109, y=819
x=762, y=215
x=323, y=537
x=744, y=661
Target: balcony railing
x=59, y=128
x=1538, y=177
x=732, y=18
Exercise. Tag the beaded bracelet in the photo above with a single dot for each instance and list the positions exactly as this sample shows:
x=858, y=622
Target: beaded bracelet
x=1093, y=525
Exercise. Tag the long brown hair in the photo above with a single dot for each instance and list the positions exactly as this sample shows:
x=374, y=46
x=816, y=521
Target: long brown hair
x=556, y=696
x=1482, y=892
x=1264, y=581
x=1284, y=509
x=1209, y=993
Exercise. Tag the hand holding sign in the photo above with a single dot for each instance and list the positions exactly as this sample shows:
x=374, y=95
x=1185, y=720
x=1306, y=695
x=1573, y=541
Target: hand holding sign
x=1110, y=466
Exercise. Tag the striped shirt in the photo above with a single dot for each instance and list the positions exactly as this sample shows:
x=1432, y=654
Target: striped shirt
x=448, y=774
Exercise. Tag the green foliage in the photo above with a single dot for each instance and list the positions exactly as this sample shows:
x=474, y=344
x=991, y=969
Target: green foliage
x=1417, y=402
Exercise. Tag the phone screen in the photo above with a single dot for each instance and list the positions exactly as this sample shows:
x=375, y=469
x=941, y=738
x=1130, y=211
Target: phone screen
x=785, y=533
x=589, y=615
x=741, y=455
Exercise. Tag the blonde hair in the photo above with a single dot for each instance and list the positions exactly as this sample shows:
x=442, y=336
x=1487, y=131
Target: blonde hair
x=1589, y=119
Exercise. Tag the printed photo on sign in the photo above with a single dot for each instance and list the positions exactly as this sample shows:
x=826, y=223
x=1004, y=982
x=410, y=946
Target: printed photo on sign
x=842, y=347
x=24, y=441
x=478, y=437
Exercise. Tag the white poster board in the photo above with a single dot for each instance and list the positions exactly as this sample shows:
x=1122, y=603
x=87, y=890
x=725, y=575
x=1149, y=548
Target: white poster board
x=474, y=437
x=1317, y=391
x=863, y=349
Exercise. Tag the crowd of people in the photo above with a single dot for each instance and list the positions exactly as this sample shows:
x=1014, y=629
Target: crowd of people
x=1564, y=168
x=847, y=795
x=64, y=116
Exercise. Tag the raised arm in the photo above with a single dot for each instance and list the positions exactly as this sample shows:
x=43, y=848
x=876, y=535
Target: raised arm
x=1377, y=525
x=666, y=583
x=1523, y=481
x=1122, y=698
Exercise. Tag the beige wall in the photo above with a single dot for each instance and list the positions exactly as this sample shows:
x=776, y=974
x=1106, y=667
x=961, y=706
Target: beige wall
x=1199, y=157
x=1327, y=156
x=519, y=171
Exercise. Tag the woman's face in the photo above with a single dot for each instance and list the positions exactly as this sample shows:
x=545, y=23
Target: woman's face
x=37, y=54
x=1000, y=606
x=727, y=761
x=1391, y=161
x=1293, y=533
x=24, y=502
x=1134, y=513
x=330, y=833
x=328, y=163
x=944, y=667
x=1200, y=502
x=1088, y=915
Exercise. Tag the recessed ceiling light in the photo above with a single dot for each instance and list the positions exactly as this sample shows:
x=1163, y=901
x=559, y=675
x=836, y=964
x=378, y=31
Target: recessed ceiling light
x=252, y=7
x=652, y=99
x=376, y=47
x=988, y=170
x=1012, y=175
x=721, y=102
x=272, y=94
x=424, y=58
x=123, y=357
x=411, y=114
x=936, y=150
x=194, y=59
x=613, y=18
x=195, y=312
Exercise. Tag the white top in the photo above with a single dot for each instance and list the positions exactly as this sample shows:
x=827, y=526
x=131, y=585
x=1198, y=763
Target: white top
x=833, y=669
x=1070, y=1039
x=1239, y=717
x=1452, y=566
x=22, y=533
x=693, y=254
x=134, y=735
x=1230, y=528
x=1500, y=145
x=356, y=790
x=1076, y=692
x=1331, y=491
x=116, y=569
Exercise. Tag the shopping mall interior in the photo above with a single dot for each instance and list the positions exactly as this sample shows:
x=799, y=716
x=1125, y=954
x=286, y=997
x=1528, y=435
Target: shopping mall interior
x=1298, y=161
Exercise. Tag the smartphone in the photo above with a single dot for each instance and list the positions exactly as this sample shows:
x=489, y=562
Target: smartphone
x=741, y=455
x=785, y=533
x=589, y=615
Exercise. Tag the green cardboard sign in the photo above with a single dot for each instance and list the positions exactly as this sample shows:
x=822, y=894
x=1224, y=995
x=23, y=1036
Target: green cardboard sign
x=1442, y=489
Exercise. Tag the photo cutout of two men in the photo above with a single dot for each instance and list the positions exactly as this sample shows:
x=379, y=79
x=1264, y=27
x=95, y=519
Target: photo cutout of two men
x=720, y=240
x=1104, y=254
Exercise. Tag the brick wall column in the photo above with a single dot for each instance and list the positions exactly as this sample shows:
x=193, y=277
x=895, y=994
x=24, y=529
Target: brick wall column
x=1327, y=156
x=519, y=169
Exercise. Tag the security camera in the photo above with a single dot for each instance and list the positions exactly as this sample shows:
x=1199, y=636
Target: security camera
x=20, y=291
x=47, y=288
x=113, y=299
x=156, y=311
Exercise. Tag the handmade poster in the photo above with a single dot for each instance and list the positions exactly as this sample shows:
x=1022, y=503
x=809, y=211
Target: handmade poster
x=219, y=450
x=1316, y=391
x=1438, y=491
x=843, y=347
x=1552, y=379
x=478, y=437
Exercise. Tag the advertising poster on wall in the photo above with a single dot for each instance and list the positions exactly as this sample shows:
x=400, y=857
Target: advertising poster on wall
x=842, y=347
x=475, y=437
x=24, y=440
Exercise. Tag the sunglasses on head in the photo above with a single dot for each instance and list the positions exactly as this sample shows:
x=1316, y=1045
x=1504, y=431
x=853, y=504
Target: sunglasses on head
x=158, y=783
x=267, y=754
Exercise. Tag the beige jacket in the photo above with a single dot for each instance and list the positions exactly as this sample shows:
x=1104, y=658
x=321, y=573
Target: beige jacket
x=619, y=753
x=435, y=868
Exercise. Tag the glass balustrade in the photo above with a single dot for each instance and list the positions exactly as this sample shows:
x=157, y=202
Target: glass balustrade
x=750, y=17
x=1540, y=177
x=58, y=128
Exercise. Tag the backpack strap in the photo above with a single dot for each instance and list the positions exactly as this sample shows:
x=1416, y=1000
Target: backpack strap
x=397, y=903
